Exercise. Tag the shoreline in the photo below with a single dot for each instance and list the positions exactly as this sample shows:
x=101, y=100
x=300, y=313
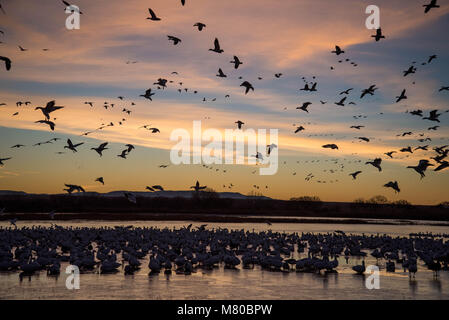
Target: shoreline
x=212, y=218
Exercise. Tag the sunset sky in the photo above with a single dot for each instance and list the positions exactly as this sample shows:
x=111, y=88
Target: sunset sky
x=292, y=37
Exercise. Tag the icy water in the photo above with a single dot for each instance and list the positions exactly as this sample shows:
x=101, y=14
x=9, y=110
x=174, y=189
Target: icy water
x=240, y=283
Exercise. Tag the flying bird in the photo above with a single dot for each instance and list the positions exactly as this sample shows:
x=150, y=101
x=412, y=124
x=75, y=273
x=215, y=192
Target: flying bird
x=100, y=148
x=346, y=91
x=394, y=185
x=49, y=108
x=375, y=163
x=4, y=159
x=378, y=35
x=51, y=124
x=100, y=179
x=411, y=69
x=432, y=4
x=148, y=94
x=123, y=154
x=433, y=116
x=390, y=154
x=270, y=148
x=421, y=167
x=402, y=96
x=72, y=146
x=248, y=86
x=369, y=90
x=216, y=47
x=7, y=62
x=300, y=128
x=130, y=146
x=443, y=165
x=174, y=39
x=153, y=16
x=355, y=174
x=337, y=51
x=72, y=187
x=304, y=106
x=341, y=102
x=236, y=62
x=221, y=74
x=239, y=124
x=330, y=146
x=199, y=25
x=197, y=187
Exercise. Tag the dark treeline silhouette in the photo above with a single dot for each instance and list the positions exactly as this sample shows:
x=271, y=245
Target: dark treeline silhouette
x=207, y=206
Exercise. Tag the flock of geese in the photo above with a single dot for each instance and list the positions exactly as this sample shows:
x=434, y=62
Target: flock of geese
x=186, y=250
x=438, y=161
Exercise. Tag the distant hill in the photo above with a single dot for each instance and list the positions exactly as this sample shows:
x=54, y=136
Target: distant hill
x=156, y=194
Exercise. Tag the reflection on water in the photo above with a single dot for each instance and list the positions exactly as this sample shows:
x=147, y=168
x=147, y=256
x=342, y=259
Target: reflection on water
x=235, y=284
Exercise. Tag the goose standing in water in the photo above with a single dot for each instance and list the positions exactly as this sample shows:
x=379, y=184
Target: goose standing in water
x=359, y=269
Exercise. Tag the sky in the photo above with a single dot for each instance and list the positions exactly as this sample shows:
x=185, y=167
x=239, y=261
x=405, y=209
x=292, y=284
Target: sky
x=292, y=37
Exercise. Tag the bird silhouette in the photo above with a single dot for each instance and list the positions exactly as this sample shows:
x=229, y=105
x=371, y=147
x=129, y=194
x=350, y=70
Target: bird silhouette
x=100, y=179
x=355, y=174
x=432, y=4
x=239, y=124
x=153, y=16
x=148, y=94
x=300, y=128
x=338, y=50
x=443, y=165
x=410, y=70
x=72, y=187
x=330, y=146
x=221, y=74
x=49, y=108
x=174, y=39
x=341, y=102
x=378, y=35
x=402, y=96
x=130, y=147
x=433, y=116
x=4, y=159
x=7, y=62
x=416, y=113
x=304, y=106
x=375, y=163
x=390, y=154
x=394, y=185
x=248, y=86
x=369, y=91
x=216, y=47
x=270, y=148
x=421, y=167
x=199, y=25
x=236, y=62
x=100, y=148
x=197, y=187
x=72, y=146
x=346, y=91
